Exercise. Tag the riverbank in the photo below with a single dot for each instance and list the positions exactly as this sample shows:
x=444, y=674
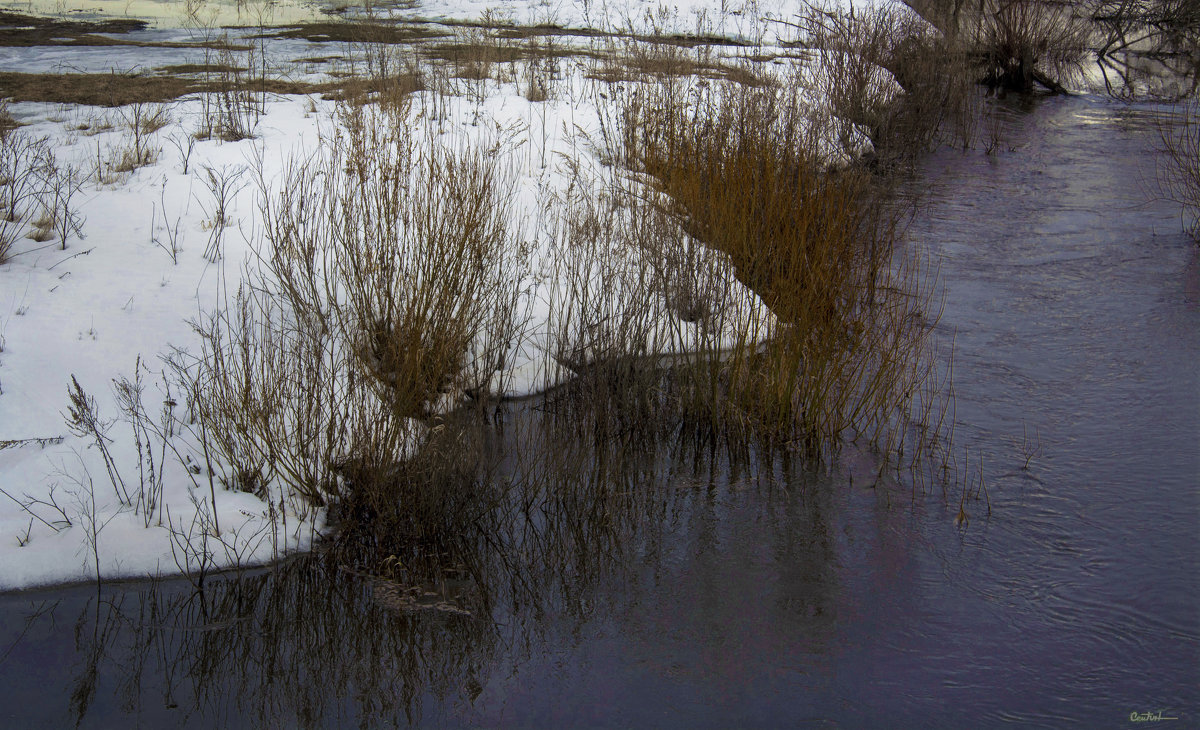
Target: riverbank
x=142, y=275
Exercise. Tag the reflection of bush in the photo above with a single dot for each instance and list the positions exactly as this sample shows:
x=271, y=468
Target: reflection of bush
x=389, y=285
x=1179, y=174
x=300, y=646
x=323, y=640
x=1016, y=44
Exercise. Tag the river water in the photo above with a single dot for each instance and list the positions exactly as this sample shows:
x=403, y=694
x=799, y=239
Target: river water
x=677, y=584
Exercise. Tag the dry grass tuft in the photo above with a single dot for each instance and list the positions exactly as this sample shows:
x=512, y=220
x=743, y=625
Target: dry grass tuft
x=43, y=229
x=7, y=122
x=387, y=291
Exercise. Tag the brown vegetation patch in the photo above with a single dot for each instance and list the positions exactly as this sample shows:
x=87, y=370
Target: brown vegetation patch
x=362, y=90
x=200, y=68
x=640, y=67
x=484, y=52
x=549, y=30
x=376, y=32
x=687, y=40
x=17, y=30
x=525, y=32
x=742, y=172
x=319, y=59
x=121, y=89
x=93, y=89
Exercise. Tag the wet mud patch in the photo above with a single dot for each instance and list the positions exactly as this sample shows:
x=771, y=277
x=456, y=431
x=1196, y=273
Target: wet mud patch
x=350, y=32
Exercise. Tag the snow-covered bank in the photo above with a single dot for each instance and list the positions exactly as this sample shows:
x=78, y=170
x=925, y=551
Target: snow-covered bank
x=90, y=311
x=152, y=255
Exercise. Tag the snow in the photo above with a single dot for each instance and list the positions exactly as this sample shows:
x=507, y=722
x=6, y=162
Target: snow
x=117, y=297
x=89, y=312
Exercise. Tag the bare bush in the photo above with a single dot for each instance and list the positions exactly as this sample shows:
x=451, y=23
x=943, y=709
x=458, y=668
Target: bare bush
x=151, y=437
x=1018, y=45
x=852, y=76
x=84, y=420
x=237, y=106
x=142, y=120
x=64, y=183
x=1149, y=45
x=1024, y=42
x=604, y=315
x=884, y=72
x=25, y=163
x=171, y=245
x=223, y=184
x=1146, y=24
x=185, y=144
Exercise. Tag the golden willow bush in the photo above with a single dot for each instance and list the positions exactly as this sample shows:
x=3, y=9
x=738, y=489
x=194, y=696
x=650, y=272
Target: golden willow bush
x=849, y=354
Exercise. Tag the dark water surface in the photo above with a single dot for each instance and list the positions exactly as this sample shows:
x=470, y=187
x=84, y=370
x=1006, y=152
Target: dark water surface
x=693, y=588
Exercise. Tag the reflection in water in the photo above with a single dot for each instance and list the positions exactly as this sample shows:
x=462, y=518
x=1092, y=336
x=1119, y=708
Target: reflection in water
x=560, y=536
x=1165, y=72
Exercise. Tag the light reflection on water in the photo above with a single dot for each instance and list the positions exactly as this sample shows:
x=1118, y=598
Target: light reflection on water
x=677, y=584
